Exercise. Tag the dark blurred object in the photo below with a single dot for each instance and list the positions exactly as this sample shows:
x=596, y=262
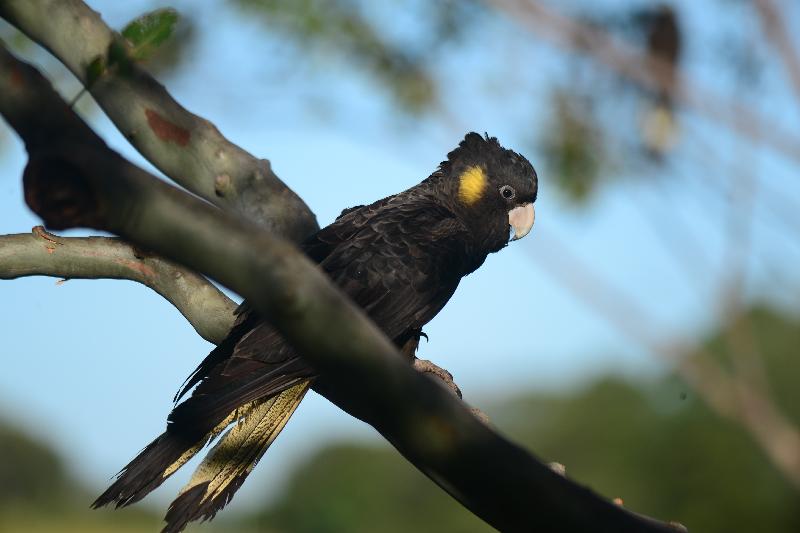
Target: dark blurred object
x=664, y=44
x=663, y=39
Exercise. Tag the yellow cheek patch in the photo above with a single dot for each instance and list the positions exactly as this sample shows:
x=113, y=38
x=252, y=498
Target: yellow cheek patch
x=472, y=184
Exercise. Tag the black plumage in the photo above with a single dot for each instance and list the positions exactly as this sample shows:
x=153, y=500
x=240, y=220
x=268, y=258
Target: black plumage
x=400, y=259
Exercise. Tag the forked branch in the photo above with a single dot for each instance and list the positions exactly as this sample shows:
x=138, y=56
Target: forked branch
x=74, y=179
x=185, y=147
x=40, y=253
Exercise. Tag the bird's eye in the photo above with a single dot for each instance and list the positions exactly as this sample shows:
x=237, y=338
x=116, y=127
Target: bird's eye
x=507, y=192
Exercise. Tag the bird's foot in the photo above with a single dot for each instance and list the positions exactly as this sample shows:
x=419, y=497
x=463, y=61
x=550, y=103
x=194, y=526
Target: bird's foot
x=423, y=365
x=446, y=378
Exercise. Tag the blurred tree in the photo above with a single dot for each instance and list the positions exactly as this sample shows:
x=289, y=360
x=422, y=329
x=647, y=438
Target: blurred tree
x=709, y=472
x=364, y=489
x=29, y=471
x=353, y=29
x=39, y=495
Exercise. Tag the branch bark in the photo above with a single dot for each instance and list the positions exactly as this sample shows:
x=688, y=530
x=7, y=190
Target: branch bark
x=40, y=253
x=186, y=148
x=73, y=179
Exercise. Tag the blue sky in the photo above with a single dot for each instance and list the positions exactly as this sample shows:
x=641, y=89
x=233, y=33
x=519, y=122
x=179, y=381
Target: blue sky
x=91, y=366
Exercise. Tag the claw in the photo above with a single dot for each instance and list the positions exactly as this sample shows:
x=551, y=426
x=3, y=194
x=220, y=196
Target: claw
x=423, y=365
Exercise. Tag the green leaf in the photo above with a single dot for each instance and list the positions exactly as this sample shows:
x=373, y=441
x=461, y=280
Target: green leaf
x=149, y=31
x=95, y=69
x=119, y=58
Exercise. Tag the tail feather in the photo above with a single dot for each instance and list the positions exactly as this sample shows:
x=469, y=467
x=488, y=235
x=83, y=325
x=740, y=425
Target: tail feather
x=155, y=463
x=245, y=322
x=203, y=410
x=229, y=463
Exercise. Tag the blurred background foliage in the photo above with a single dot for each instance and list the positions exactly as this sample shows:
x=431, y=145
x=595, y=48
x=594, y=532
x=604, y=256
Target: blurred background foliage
x=655, y=443
x=651, y=443
x=587, y=137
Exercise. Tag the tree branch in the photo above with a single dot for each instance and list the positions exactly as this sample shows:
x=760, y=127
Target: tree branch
x=187, y=148
x=40, y=253
x=75, y=180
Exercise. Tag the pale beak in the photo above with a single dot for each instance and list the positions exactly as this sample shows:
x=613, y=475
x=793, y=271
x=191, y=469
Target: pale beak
x=521, y=220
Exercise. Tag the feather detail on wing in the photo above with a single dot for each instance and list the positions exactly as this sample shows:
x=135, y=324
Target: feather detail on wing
x=379, y=258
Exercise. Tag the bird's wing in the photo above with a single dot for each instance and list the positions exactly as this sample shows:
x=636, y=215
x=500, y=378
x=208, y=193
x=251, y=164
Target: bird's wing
x=397, y=262
x=397, y=259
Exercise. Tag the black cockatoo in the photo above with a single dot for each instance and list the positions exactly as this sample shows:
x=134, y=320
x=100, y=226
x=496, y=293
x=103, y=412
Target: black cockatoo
x=400, y=259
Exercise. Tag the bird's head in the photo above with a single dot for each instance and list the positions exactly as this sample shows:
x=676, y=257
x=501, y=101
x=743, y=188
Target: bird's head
x=492, y=189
